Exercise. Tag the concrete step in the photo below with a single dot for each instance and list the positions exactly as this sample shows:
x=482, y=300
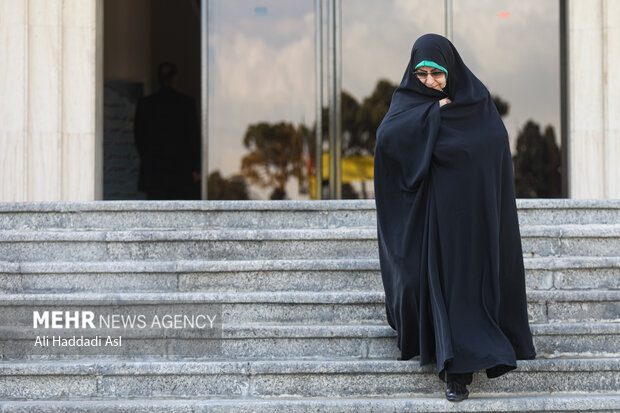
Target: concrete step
x=568, y=211
x=256, y=341
x=67, y=380
x=351, y=243
x=262, y=214
x=544, y=273
x=356, y=307
x=114, y=215
x=571, y=240
x=572, y=273
x=379, y=341
x=426, y=404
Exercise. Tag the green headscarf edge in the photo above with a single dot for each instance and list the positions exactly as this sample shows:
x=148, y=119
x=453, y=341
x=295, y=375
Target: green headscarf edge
x=432, y=64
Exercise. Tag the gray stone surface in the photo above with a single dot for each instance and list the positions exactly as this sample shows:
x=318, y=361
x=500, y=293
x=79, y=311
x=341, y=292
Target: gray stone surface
x=267, y=280
x=303, y=307
x=354, y=341
x=476, y=403
x=571, y=240
x=35, y=386
x=542, y=263
x=298, y=378
x=268, y=214
x=570, y=213
x=188, y=245
x=270, y=275
x=187, y=214
x=348, y=243
x=329, y=306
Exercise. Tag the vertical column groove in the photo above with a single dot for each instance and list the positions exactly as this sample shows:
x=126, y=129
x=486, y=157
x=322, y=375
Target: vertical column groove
x=318, y=55
x=604, y=74
x=59, y=97
x=338, y=94
x=26, y=112
x=204, y=96
x=335, y=88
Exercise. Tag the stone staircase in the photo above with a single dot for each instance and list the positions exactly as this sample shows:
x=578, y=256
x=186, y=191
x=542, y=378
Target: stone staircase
x=300, y=294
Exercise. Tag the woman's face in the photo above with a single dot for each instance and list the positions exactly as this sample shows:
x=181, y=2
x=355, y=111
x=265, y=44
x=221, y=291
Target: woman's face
x=431, y=77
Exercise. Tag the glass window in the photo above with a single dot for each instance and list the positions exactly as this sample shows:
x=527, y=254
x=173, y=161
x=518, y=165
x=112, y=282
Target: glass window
x=514, y=49
x=261, y=98
x=511, y=46
x=377, y=37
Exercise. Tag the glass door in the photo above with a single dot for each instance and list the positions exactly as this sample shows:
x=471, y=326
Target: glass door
x=376, y=43
x=261, y=77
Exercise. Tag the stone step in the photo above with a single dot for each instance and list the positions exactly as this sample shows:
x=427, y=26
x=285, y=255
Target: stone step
x=113, y=215
x=270, y=275
x=354, y=307
x=352, y=243
x=571, y=240
x=489, y=403
x=262, y=214
x=336, y=341
x=568, y=211
x=379, y=341
x=66, y=380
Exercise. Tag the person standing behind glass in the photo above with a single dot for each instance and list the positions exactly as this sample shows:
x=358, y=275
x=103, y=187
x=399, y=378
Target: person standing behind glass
x=167, y=138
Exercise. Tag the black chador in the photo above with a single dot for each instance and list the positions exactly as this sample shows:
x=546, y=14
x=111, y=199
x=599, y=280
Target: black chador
x=449, y=241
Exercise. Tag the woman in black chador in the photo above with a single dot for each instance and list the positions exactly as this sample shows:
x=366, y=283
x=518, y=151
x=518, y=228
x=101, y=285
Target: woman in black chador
x=449, y=242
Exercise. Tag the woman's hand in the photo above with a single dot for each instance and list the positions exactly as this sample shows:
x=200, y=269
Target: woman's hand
x=444, y=101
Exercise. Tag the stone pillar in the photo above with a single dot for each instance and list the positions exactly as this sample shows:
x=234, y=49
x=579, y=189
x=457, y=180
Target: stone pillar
x=49, y=125
x=594, y=110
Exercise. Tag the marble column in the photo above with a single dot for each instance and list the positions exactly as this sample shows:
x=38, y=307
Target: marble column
x=594, y=111
x=50, y=128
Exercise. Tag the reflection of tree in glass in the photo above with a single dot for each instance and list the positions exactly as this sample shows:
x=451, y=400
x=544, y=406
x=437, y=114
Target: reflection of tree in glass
x=223, y=188
x=537, y=163
x=360, y=121
x=276, y=150
x=275, y=155
x=501, y=105
x=359, y=126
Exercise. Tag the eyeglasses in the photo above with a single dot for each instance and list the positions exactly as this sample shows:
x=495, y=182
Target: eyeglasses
x=436, y=74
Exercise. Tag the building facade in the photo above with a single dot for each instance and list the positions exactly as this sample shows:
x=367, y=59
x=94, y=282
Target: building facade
x=265, y=73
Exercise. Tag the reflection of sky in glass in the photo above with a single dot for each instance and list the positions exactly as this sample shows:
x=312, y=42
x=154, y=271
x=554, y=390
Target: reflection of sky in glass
x=516, y=57
x=377, y=37
x=262, y=59
x=261, y=69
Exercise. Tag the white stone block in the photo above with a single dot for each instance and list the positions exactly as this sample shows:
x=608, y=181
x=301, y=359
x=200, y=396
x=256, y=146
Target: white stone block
x=78, y=85
x=78, y=176
x=586, y=161
x=44, y=165
x=44, y=74
x=13, y=84
x=12, y=166
x=44, y=12
x=612, y=154
x=612, y=57
x=585, y=14
x=79, y=13
x=12, y=12
x=586, y=79
x=13, y=44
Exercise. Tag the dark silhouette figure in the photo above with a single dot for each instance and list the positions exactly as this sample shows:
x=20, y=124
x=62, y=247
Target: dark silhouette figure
x=167, y=138
x=537, y=163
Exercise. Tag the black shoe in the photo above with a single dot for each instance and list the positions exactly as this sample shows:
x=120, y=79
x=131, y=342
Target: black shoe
x=456, y=392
